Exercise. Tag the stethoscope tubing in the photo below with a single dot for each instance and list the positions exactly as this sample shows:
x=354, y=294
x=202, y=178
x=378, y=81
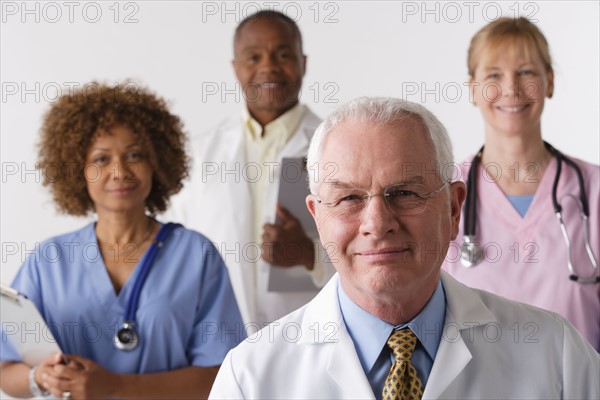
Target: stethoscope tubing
x=469, y=224
x=128, y=329
x=134, y=297
x=471, y=253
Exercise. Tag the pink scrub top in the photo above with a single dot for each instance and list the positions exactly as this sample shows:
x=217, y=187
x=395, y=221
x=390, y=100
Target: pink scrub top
x=525, y=258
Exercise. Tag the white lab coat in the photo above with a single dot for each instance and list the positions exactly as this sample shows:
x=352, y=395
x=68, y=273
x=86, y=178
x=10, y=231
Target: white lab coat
x=491, y=348
x=218, y=203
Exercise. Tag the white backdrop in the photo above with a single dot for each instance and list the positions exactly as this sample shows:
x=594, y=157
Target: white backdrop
x=182, y=50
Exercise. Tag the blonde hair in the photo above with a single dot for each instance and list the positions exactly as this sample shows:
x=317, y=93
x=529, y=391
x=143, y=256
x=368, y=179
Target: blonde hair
x=512, y=31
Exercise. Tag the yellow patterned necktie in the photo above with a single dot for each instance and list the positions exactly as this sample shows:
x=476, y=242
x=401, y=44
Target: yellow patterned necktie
x=402, y=383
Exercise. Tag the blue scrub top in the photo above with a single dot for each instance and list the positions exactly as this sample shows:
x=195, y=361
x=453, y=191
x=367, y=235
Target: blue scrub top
x=187, y=313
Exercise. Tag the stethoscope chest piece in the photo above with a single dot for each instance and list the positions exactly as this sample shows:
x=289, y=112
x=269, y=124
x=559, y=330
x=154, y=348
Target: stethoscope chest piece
x=126, y=338
x=470, y=253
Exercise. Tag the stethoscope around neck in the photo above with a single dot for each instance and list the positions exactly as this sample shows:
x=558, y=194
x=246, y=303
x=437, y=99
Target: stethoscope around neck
x=127, y=337
x=472, y=253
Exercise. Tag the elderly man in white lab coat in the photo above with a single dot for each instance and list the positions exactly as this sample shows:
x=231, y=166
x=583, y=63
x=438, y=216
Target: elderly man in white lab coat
x=232, y=197
x=390, y=324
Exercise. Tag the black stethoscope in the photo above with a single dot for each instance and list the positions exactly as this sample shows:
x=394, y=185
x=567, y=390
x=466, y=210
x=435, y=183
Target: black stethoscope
x=127, y=337
x=472, y=253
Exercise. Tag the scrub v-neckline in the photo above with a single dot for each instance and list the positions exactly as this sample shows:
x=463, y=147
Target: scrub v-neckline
x=103, y=286
x=495, y=199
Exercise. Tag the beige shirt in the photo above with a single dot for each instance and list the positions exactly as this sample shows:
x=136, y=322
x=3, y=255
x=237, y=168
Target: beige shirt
x=262, y=148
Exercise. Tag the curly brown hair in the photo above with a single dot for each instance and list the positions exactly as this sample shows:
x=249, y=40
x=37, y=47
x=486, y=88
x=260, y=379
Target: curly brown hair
x=74, y=121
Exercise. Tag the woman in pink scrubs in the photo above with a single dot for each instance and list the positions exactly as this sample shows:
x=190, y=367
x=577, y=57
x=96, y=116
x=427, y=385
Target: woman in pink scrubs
x=523, y=252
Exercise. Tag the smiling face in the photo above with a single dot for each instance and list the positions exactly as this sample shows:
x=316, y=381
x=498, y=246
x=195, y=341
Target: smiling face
x=118, y=175
x=269, y=64
x=382, y=255
x=509, y=86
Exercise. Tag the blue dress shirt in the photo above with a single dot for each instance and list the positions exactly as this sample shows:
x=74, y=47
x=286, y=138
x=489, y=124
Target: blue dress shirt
x=370, y=335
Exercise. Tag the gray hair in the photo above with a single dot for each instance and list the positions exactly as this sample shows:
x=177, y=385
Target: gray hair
x=381, y=111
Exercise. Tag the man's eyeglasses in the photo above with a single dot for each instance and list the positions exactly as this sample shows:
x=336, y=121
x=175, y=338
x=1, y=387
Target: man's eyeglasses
x=403, y=198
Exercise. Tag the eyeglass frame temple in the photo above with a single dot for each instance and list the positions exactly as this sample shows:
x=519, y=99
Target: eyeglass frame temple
x=368, y=195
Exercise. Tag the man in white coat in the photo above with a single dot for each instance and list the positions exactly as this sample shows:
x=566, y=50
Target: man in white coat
x=390, y=324
x=232, y=196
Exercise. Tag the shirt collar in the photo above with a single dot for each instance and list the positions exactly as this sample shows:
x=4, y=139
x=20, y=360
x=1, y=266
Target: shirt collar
x=288, y=121
x=370, y=333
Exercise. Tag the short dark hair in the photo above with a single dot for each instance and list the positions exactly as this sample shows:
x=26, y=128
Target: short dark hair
x=272, y=15
x=77, y=118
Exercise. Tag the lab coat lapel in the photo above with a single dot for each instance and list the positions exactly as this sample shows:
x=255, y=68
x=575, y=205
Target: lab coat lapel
x=464, y=311
x=240, y=189
x=235, y=197
x=232, y=134
x=325, y=327
x=451, y=359
x=345, y=369
x=297, y=146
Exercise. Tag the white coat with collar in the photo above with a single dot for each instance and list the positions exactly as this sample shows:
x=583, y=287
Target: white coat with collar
x=218, y=203
x=491, y=348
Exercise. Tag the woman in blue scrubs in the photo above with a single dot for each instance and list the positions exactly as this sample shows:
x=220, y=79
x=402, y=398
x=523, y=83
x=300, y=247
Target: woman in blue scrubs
x=118, y=153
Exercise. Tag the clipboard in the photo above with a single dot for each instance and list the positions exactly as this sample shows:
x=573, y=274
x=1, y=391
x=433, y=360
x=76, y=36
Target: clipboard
x=25, y=328
x=293, y=189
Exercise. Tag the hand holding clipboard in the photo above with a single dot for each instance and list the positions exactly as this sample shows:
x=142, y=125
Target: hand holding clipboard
x=24, y=327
